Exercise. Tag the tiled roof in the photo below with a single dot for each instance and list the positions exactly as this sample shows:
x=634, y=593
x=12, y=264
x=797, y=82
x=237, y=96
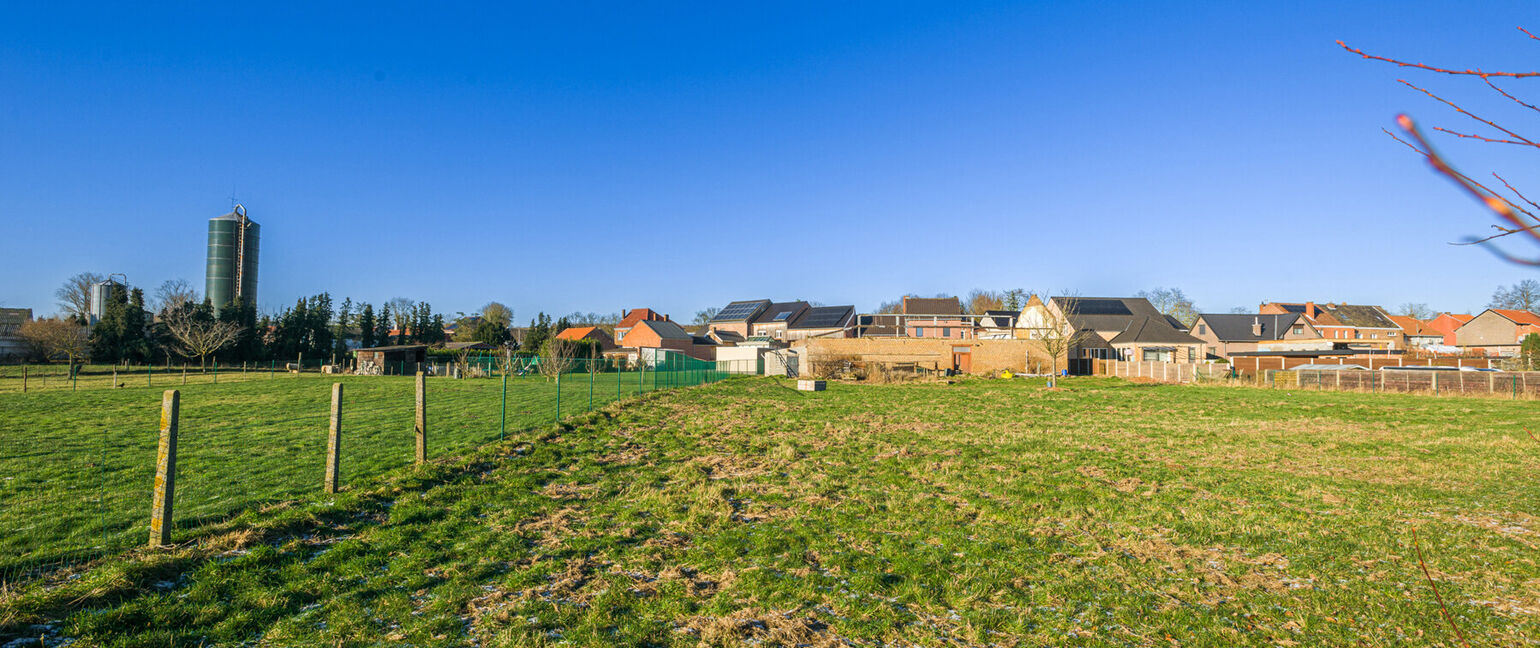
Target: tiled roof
x=1519, y=316
x=1229, y=327
x=1413, y=326
x=1154, y=330
x=639, y=314
x=576, y=332
x=665, y=329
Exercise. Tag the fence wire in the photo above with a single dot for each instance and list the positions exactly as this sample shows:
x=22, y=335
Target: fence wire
x=77, y=477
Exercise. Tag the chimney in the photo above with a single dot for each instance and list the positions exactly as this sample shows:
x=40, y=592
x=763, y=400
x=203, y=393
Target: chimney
x=1256, y=326
x=1310, y=309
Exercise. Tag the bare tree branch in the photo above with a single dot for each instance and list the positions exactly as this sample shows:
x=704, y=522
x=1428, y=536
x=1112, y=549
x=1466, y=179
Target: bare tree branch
x=1430, y=68
x=1522, y=140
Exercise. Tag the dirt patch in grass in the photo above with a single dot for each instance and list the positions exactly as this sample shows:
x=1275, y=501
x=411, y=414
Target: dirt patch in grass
x=787, y=628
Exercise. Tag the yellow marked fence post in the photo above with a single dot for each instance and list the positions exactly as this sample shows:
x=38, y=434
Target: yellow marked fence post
x=165, y=470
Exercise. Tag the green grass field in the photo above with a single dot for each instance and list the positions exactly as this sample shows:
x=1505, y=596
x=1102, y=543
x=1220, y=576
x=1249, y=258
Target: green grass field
x=77, y=480
x=987, y=512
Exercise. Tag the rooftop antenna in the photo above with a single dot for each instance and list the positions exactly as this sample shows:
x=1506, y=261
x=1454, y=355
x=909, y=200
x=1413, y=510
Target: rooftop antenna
x=232, y=195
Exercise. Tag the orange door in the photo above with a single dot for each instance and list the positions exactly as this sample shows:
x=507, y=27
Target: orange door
x=962, y=362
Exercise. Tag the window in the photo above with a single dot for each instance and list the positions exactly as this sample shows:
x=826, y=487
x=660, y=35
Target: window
x=1299, y=329
x=1190, y=355
x=1202, y=329
x=1358, y=334
x=919, y=331
x=946, y=332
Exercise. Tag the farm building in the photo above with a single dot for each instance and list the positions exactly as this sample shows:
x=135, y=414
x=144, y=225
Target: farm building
x=390, y=360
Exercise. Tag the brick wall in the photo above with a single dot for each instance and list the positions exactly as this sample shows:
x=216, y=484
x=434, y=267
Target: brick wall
x=1256, y=365
x=987, y=356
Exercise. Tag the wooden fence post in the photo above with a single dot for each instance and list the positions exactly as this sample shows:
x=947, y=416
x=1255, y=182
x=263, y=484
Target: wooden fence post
x=421, y=426
x=161, y=520
x=334, y=441
x=24, y=379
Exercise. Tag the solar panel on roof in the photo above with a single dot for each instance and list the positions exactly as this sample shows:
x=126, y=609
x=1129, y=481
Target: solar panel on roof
x=824, y=317
x=737, y=311
x=781, y=316
x=1101, y=307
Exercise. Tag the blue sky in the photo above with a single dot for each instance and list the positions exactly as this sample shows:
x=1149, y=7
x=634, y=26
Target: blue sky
x=598, y=157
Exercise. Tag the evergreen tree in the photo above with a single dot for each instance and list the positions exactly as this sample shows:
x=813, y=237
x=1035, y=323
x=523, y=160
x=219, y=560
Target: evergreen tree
x=490, y=332
x=1529, y=351
x=136, y=329
x=108, y=336
x=366, y=326
x=382, y=327
x=437, y=326
x=341, y=331
x=539, y=331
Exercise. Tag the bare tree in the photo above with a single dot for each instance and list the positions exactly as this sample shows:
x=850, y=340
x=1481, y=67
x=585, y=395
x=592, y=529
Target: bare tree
x=1173, y=302
x=556, y=358
x=75, y=295
x=981, y=300
x=1416, y=311
x=56, y=337
x=596, y=362
x=704, y=315
x=200, y=337
x=1052, y=330
x=1524, y=295
x=173, y=294
x=497, y=313
x=401, y=313
x=1516, y=213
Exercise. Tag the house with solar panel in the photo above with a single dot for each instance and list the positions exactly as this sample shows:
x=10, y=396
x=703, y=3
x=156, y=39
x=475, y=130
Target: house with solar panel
x=755, y=320
x=737, y=317
x=823, y=322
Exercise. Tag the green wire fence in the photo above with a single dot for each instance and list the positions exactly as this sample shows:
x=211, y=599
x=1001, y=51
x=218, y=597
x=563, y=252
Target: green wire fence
x=76, y=481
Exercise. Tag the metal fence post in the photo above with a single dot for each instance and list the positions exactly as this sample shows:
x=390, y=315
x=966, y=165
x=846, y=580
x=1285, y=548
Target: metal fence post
x=24, y=379
x=421, y=426
x=334, y=441
x=502, y=415
x=590, y=385
x=161, y=520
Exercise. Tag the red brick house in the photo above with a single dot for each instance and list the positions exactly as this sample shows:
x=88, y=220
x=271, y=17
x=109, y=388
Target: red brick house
x=637, y=315
x=664, y=334
x=1446, y=323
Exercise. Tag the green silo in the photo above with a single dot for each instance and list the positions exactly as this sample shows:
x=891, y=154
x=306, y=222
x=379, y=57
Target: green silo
x=232, y=258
